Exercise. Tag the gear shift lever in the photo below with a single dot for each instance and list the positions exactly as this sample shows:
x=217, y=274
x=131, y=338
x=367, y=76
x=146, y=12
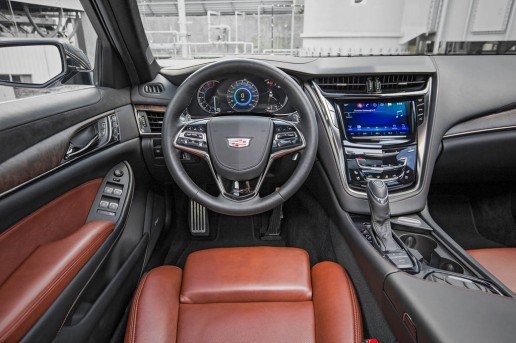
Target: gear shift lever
x=378, y=198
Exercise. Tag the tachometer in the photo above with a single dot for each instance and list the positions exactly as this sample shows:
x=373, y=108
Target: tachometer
x=276, y=97
x=242, y=96
x=207, y=97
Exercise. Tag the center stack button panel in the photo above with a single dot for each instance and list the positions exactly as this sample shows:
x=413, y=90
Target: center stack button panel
x=395, y=166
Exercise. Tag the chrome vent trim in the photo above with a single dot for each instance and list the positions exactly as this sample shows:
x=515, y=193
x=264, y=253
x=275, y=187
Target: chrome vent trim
x=361, y=84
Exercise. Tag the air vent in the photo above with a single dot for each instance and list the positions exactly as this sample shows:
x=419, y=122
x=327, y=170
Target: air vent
x=155, y=121
x=150, y=121
x=153, y=88
x=371, y=84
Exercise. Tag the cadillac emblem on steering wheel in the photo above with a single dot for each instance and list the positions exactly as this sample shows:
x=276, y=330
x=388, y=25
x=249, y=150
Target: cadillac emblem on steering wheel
x=238, y=142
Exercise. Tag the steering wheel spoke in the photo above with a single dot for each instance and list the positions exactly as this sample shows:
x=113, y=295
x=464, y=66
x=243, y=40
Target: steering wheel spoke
x=239, y=190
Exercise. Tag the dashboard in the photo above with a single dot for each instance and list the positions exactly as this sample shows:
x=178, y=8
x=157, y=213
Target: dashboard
x=240, y=93
x=342, y=115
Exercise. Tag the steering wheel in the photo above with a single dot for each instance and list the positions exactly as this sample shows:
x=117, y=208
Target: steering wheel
x=240, y=148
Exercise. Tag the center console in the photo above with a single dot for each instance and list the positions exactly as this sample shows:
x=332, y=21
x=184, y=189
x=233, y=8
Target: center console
x=380, y=140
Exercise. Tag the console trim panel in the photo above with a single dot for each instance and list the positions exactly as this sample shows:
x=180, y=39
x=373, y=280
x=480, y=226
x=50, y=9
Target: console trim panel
x=329, y=118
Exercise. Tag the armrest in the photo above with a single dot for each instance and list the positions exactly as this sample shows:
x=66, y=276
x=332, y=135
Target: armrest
x=38, y=281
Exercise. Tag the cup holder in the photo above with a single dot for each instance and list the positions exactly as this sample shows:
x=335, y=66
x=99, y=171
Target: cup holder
x=431, y=253
x=425, y=245
x=451, y=266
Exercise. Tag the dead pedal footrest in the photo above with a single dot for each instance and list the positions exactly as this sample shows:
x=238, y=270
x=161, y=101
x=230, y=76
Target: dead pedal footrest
x=198, y=219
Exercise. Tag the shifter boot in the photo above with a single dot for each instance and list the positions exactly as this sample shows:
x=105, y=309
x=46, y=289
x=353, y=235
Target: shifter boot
x=378, y=197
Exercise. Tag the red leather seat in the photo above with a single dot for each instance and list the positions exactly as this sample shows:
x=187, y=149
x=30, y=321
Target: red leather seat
x=257, y=294
x=501, y=262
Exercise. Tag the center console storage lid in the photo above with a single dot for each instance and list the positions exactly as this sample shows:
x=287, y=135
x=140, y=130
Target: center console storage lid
x=450, y=314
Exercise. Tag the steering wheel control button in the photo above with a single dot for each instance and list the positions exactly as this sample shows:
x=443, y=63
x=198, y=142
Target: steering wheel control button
x=193, y=137
x=286, y=137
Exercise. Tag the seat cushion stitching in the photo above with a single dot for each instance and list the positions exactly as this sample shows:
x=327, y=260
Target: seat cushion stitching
x=136, y=307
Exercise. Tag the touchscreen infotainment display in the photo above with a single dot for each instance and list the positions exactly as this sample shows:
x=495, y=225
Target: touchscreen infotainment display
x=373, y=119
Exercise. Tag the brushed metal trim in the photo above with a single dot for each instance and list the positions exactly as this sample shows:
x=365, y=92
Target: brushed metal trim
x=480, y=131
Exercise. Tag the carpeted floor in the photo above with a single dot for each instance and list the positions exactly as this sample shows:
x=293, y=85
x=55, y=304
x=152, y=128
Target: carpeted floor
x=304, y=225
x=476, y=217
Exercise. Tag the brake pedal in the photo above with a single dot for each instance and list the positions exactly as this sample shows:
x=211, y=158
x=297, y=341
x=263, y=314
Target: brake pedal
x=198, y=219
x=273, y=232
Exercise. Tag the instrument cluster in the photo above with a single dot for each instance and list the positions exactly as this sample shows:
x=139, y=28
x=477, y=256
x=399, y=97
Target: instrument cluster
x=240, y=94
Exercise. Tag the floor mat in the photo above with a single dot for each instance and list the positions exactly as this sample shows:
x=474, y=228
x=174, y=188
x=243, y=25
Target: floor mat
x=494, y=216
x=454, y=214
x=230, y=232
x=308, y=227
x=305, y=225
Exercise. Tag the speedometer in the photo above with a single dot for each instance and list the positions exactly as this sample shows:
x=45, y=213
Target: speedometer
x=207, y=97
x=242, y=96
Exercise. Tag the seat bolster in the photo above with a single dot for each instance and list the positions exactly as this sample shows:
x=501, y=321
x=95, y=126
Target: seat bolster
x=501, y=262
x=337, y=312
x=251, y=274
x=41, y=278
x=155, y=308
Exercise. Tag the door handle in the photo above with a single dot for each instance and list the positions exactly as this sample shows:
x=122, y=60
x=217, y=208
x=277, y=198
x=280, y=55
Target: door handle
x=93, y=136
x=71, y=152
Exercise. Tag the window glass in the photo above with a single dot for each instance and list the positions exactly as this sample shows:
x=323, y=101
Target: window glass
x=64, y=20
x=194, y=29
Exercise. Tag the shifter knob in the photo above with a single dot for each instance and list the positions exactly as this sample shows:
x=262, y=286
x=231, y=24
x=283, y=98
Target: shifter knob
x=378, y=197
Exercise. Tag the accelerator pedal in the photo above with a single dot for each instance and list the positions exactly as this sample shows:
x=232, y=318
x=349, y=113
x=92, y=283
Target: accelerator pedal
x=273, y=232
x=198, y=219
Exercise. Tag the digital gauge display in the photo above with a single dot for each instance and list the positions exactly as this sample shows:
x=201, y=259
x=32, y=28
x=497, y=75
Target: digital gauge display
x=242, y=96
x=207, y=97
x=276, y=98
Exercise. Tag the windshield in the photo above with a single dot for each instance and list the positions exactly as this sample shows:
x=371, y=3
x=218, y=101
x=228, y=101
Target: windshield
x=192, y=29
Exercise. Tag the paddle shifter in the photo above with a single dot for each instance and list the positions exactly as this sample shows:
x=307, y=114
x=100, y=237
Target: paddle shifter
x=378, y=197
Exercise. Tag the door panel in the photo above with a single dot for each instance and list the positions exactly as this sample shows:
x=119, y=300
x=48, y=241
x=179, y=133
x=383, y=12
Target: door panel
x=49, y=199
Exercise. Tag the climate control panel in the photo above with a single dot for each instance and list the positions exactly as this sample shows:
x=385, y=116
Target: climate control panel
x=395, y=166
